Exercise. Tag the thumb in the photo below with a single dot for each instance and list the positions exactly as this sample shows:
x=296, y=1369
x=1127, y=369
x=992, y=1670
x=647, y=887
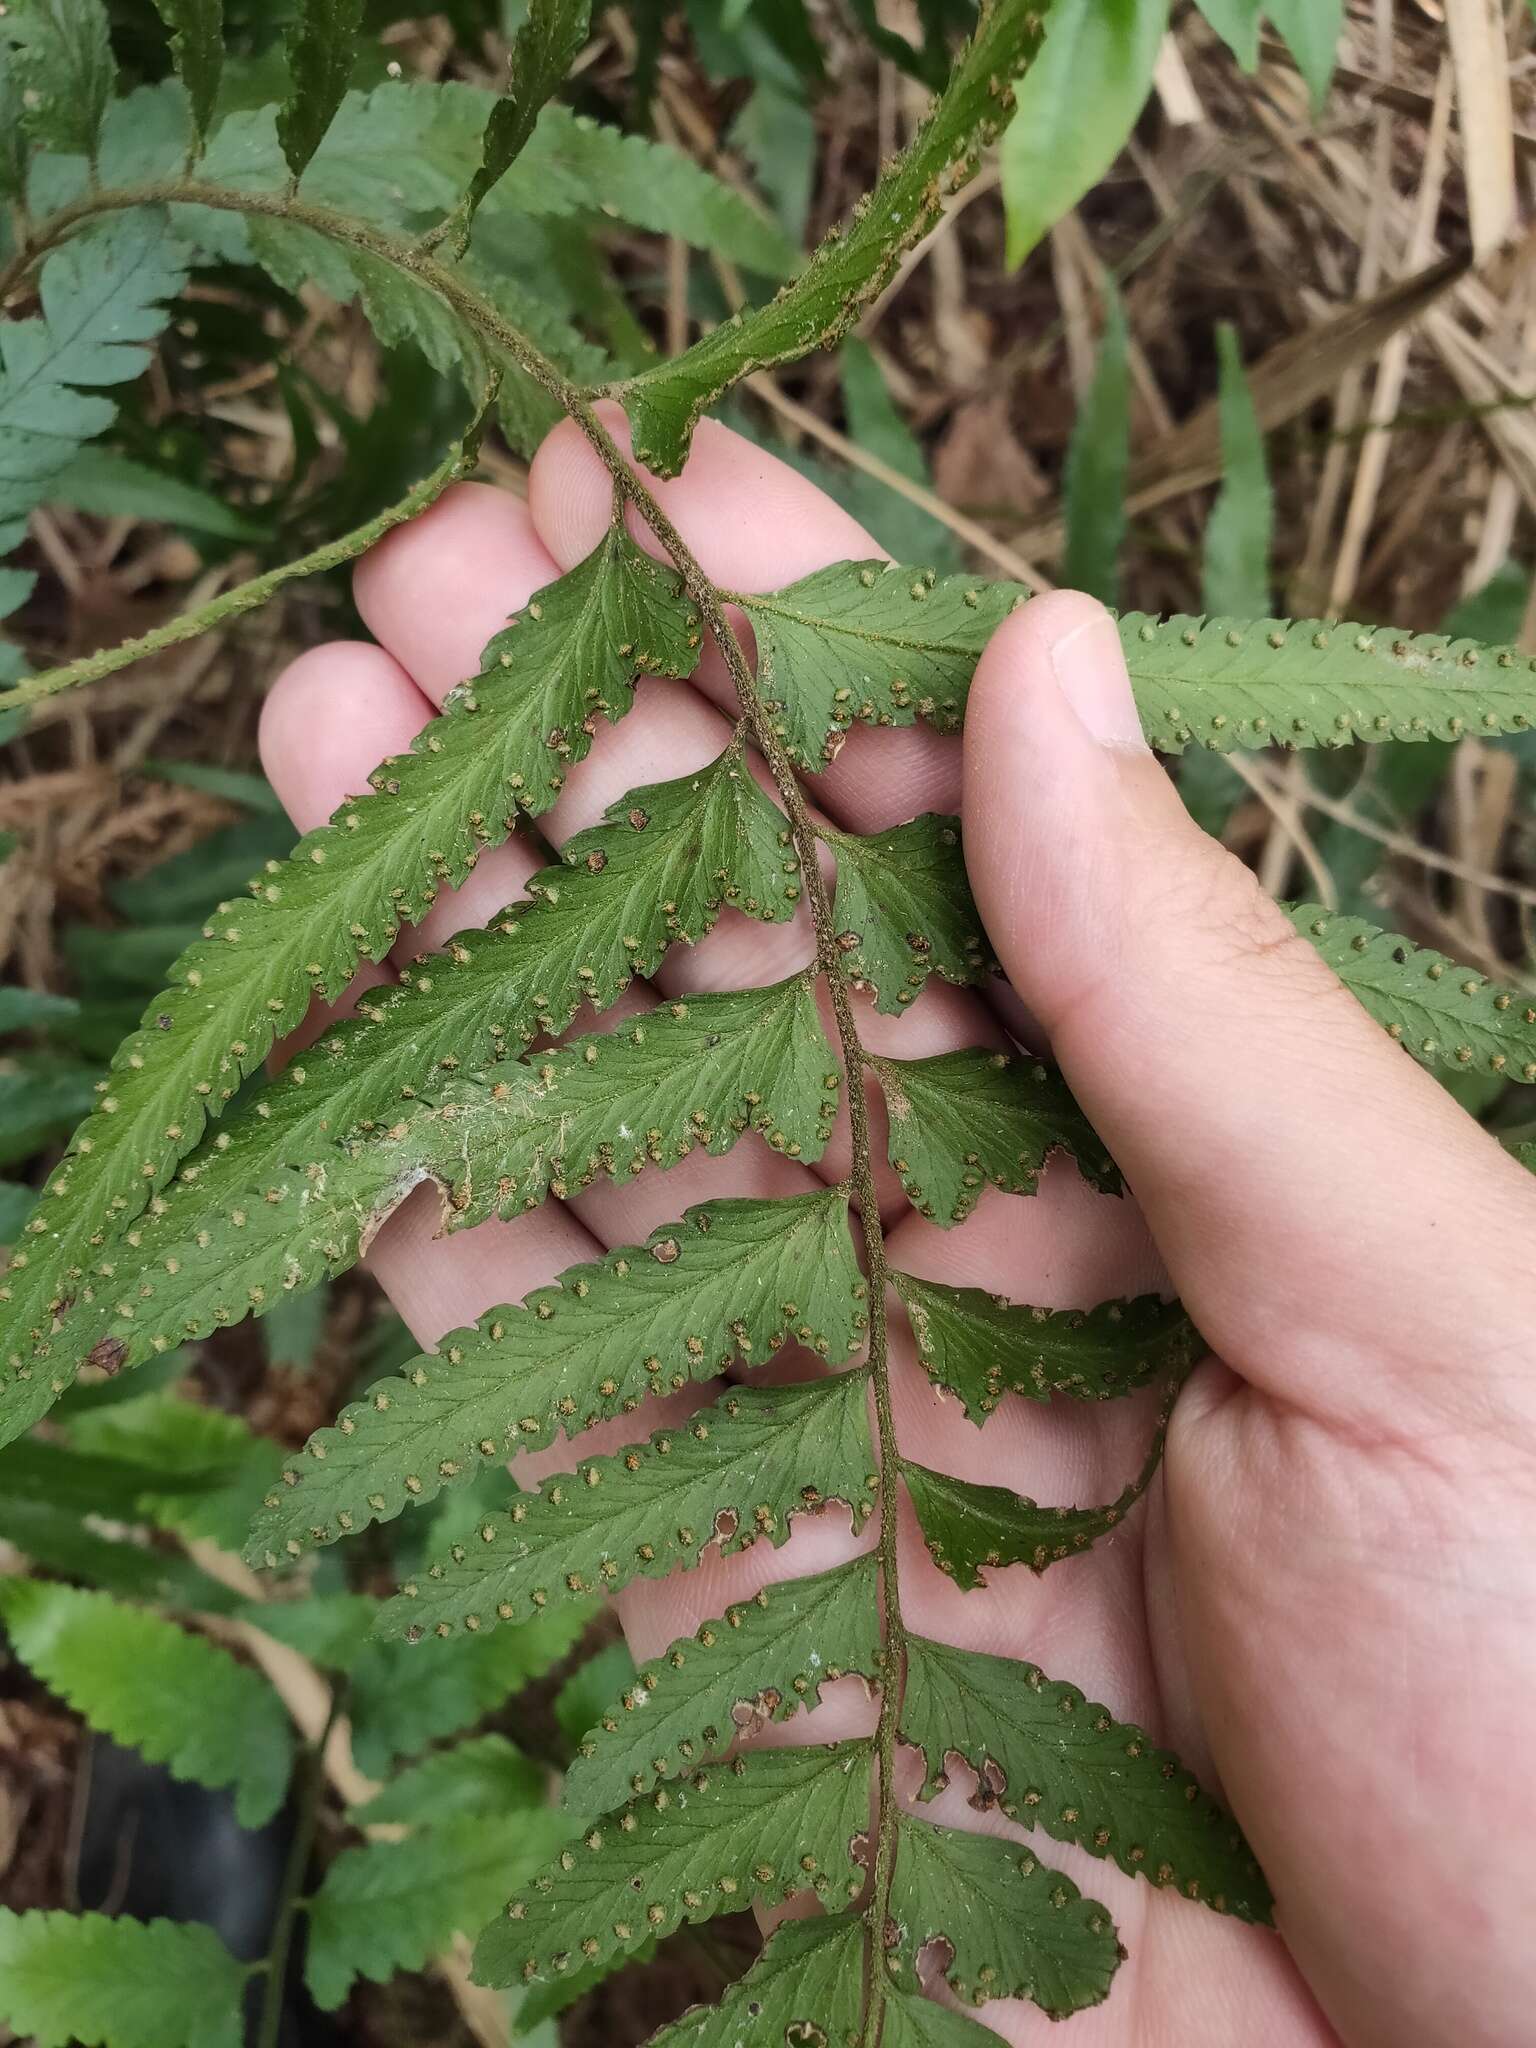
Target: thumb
x=1303, y=1177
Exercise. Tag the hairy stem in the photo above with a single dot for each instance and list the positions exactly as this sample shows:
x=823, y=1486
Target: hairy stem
x=245, y=597
x=476, y=312
x=861, y=1175
x=310, y=1797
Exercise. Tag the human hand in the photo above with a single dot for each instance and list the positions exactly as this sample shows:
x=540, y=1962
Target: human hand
x=1291, y=1498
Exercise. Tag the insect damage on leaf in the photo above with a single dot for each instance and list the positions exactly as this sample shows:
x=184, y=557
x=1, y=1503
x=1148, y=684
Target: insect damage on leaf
x=739, y=1356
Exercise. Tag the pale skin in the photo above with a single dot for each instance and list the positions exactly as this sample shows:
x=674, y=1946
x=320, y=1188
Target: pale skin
x=1328, y=1604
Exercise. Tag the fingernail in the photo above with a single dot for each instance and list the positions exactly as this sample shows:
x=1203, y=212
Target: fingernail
x=1089, y=665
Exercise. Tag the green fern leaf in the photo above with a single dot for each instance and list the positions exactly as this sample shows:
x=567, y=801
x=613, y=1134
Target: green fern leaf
x=1444, y=1014
x=807, y=1986
x=873, y=643
x=1229, y=683
x=769, y=1824
x=970, y=1528
x=737, y=1472
x=484, y=1779
x=574, y=166
x=1051, y=1758
x=733, y=1279
x=339, y=898
x=321, y=48
x=694, y=1076
x=763, y=1661
x=852, y=265
x=400, y=1700
x=197, y=48
x=80, y=1980
x=171, y=1437
x=103, y=297
x=912, y=2021
x=1014, y=1927
x=904, y=911
x=391, y=1906
x=543, y=50
x=978, y=1347
x=62, y=54
x=656, y=873
x=177, y=1698
x=961, y=1121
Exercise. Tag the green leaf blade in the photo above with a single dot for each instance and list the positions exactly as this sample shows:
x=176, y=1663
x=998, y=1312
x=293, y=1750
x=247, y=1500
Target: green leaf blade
x=500, y=748
x=543, y=51
x=875, y=642
x=851, y=266
x=979, y=1347
x=1058, y=1761
x=1239, y=533
x=1446, y=1015
x=903, y=910
x=322, y=48
x=177, y=1698
x=733, y=1279
x=961, y=1121
x=389, y=1906
x=1015, y=1927
x=691, y=1077
x=770, y=1824
x=1098, y=458
x=1076, y=109
x=62, y=54
x=764, y=1661
x=485, y=1778
x=197, y=48
x=104, y=300
x=1229, y=683
x=738, y=1473
x=81, y=1980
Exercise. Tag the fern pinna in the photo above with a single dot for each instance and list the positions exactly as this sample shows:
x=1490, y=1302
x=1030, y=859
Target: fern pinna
x=197, y=1193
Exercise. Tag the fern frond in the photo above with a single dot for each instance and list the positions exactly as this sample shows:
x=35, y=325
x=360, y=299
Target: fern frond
x=399, y=1701
x=962, y=1121
x=969, y=1528
x=904, y=911
x=885, y=645
x=105, y=295
x=1013, y=1927
x=808, y=1981
x=872, y=643
x=852, y=264
x=177, y=1698
x=764, y=1660
x=1230, y=683
x=978, y=1346
x=81, y=1980
x=1053, y=1759
x=390, y=1906
x=768, y=1825
x=694, y=1076
x=1446, y=1015
x=486, y=1778
x=61, y=51
x=501, y=746
x=733, y=1279
x=736, y=1473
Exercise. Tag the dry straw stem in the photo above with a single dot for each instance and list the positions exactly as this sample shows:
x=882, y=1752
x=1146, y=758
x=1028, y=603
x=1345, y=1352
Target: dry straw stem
x=1480, y=59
